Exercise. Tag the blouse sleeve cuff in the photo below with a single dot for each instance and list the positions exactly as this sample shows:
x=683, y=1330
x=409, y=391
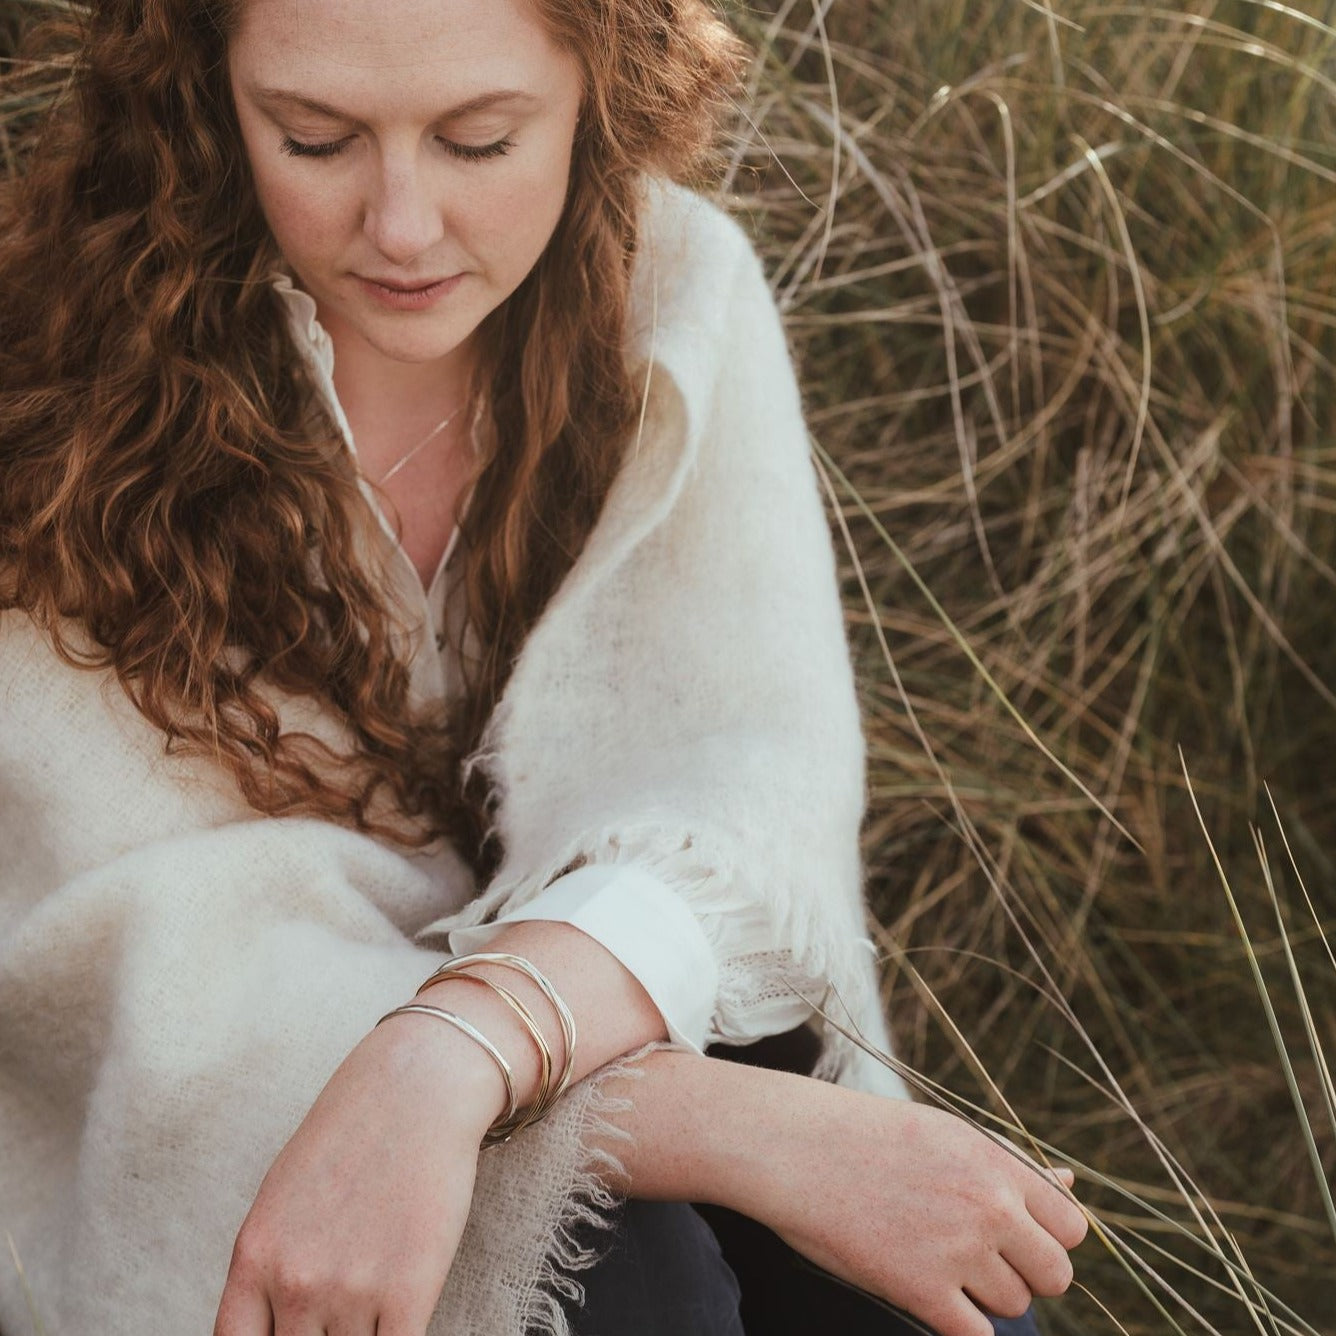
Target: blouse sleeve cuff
x=646, y=926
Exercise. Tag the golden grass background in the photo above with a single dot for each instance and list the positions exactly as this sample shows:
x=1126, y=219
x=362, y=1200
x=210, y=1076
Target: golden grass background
x=1060, y=277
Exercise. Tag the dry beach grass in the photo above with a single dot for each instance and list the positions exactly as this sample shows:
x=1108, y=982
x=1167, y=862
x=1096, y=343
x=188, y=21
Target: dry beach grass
x=1061, y=278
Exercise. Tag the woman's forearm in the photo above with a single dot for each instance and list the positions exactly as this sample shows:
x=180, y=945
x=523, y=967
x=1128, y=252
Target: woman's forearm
x=908, y=1202
x=613, y=1014
x=702, y=1129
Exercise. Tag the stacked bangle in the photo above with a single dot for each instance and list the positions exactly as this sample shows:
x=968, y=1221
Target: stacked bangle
x=547, y=1095
x=540, y=1104
x=514, y=1119
x=473, y=1033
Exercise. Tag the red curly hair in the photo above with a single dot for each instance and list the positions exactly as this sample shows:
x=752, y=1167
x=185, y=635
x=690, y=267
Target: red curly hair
x=177, y=507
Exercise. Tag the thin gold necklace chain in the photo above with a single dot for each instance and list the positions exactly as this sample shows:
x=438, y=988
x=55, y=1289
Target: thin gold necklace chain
x=427, y=439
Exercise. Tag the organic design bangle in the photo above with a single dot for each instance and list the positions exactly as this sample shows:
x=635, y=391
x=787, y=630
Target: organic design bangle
x=456, y=965
x=507, y=1075
x=503, y=1129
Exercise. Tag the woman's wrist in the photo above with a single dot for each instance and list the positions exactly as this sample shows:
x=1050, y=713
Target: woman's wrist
x=478, y=1094
x=469, y=996
x=707, y=1130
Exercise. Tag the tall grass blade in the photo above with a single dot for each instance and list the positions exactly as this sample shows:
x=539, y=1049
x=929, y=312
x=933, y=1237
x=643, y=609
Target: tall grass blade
x=1277, y=1035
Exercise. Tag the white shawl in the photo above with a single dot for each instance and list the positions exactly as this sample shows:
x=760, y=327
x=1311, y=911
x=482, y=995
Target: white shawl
x=178, y=976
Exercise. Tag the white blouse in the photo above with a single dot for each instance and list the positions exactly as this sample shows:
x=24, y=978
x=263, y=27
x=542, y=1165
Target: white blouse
x=649, y=928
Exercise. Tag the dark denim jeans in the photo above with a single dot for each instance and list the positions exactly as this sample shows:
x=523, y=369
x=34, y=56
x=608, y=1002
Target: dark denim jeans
x=663, y=1271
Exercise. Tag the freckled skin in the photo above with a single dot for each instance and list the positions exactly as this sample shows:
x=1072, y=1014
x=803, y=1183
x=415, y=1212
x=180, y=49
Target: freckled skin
x=395, y=203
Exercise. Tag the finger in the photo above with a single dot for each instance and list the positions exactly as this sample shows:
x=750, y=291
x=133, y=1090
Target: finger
x=998, y=1288
x=1046, y=1173
x=408, y=1310
x=290, y=1323
x=1028, y=1158
x=1038, y=1259
x=242, y=1312
x=1056, y=1212
x=332, y=1314
x=350, y=1321
x=957, y=1316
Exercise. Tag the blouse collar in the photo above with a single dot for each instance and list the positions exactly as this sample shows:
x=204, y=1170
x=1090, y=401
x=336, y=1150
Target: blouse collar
x=311, y=337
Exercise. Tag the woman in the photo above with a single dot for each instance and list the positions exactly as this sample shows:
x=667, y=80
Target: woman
x=280, y=270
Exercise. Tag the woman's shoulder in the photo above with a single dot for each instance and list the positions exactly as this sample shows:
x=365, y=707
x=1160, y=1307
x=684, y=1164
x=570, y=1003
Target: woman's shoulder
x=675, y=214
x=70, y=732
x=691, y=238
x=697, y=272
x=62, y=713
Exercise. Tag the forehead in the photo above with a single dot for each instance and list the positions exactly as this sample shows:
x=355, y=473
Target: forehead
x=386, y=45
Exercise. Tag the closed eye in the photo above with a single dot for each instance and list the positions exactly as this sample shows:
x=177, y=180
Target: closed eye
x=299, y=148
x=477, y=152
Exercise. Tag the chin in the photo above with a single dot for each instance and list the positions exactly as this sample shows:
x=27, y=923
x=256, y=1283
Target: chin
x=414, y=346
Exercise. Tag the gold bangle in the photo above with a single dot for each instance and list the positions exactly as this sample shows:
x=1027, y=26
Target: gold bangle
x=460, y=1024
x=530, y=971
x=505, y=1128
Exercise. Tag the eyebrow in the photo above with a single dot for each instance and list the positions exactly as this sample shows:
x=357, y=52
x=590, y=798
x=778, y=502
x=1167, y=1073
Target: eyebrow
x=482, y=102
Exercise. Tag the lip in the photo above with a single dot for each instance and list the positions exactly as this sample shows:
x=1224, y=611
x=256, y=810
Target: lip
x=402, y=297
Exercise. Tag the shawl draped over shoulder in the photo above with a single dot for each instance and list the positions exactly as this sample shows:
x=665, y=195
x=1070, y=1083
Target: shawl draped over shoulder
x=179, y=976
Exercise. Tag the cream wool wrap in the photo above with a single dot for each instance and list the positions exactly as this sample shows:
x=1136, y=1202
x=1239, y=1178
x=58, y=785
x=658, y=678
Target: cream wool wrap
x=179, y=976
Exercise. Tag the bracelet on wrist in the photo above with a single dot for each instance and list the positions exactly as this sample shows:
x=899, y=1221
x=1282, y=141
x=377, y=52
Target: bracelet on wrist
x=472, y=1031
x=515, y=1118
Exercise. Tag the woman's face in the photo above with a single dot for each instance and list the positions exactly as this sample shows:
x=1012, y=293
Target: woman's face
x=411, y=156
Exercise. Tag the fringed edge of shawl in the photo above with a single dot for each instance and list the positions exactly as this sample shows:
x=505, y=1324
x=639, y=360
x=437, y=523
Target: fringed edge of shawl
x=689, y=862
x=587, y=1206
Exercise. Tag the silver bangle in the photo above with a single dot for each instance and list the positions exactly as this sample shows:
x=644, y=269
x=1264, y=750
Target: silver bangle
x=504, y=1128
x=478, y=1038
x=531, y=971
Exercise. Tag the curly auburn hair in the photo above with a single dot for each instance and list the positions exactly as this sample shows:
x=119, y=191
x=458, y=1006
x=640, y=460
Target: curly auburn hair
x=171, y=483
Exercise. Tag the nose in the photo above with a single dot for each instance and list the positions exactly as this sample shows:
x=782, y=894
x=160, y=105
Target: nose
x=402, y=217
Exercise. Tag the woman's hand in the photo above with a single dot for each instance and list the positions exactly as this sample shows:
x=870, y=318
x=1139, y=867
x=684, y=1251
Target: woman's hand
x=355, y=1226
x=916, y=1206
x=905, y=1201
x=356, y=1223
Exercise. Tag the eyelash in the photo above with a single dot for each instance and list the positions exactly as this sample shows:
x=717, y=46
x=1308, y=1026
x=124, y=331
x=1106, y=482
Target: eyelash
x=467, y=152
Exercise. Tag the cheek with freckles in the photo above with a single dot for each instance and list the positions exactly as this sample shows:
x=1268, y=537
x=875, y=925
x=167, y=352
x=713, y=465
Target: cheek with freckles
x=509, y=220
x=308, y=221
